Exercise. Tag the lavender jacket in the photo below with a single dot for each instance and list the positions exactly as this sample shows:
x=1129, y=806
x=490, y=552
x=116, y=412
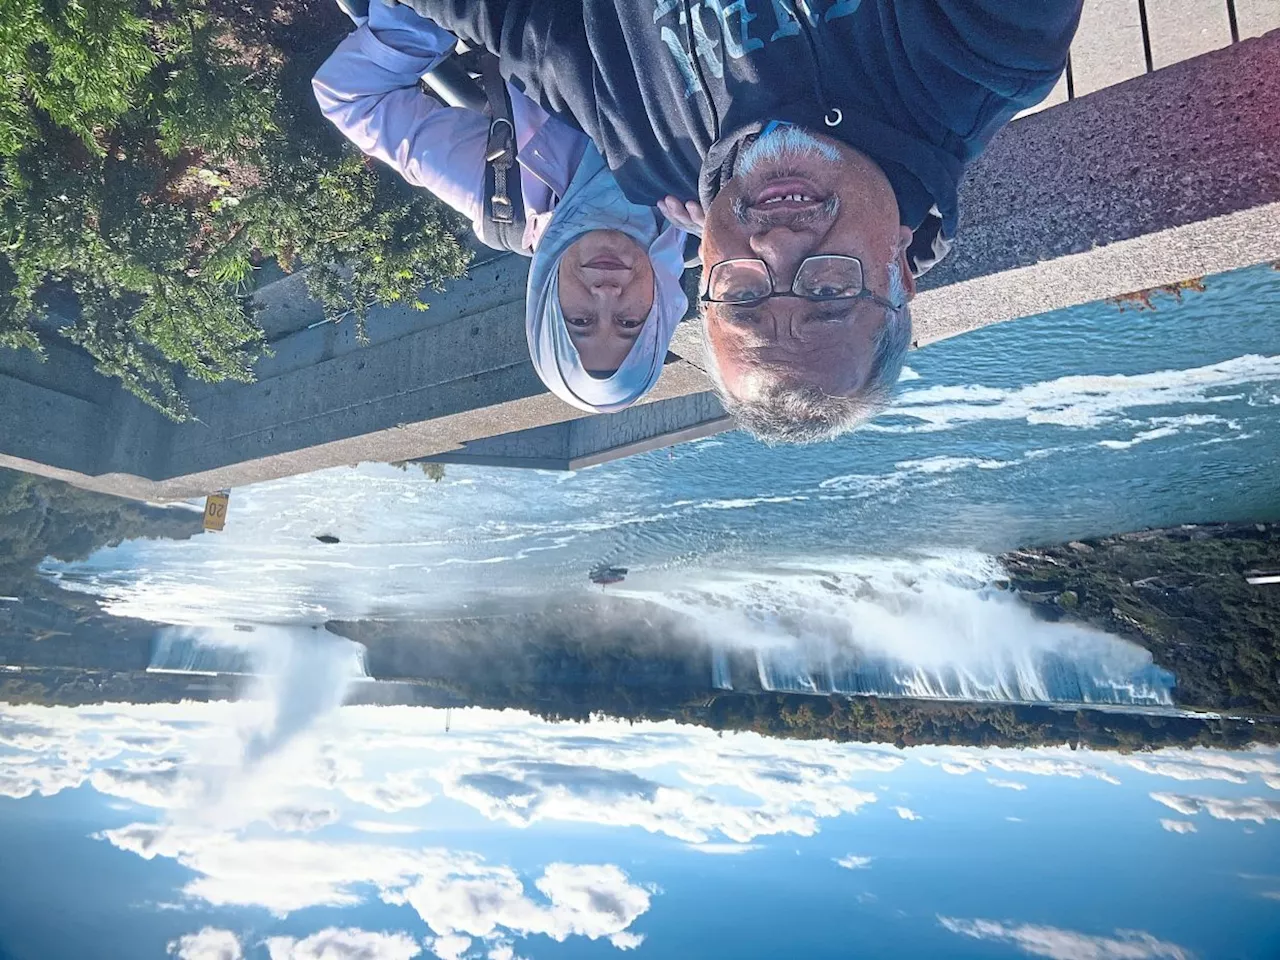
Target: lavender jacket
x=369, y=89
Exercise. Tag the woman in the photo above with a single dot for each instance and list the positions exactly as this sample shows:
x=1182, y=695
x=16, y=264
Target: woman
x=604, y=294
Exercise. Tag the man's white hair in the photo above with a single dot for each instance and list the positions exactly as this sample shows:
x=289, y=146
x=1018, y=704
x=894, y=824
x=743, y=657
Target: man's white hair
x=784, y=142
x=781, y=411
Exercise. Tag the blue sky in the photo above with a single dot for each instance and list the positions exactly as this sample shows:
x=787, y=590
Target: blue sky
x=374, y=834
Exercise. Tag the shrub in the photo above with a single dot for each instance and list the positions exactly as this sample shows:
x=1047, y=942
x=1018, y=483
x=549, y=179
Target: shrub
x=151, y=158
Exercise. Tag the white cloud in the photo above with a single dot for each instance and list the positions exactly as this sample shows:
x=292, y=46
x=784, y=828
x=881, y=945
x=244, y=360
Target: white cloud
x=21, y=780
x=1048, y=762
x=454, y=893
x=1202, y=763
x=163, y=788
x=452, y=947
x=1015, y=819
x=1176, y=770
x=521, y=792
x=210, y=943
x=1058, y=944
x=302, y=819
x=400, y=791
x=723, y=849
x=906, y=813
x=1256, y=809
x=627, y=941
x=381, y=826
x=344, y=943
x=851, y=862
x=1178, y=826
x=1006, y=784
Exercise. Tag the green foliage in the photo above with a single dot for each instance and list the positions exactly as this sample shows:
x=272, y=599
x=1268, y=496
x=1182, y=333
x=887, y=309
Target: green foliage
x=1180, y=593
x=370, y=238
x=208, y=103
x=151, y=157
x=80, y=63
x=138, y=308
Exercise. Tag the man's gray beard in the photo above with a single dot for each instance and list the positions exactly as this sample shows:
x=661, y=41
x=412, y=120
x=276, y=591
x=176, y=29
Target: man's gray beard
x=782, y=144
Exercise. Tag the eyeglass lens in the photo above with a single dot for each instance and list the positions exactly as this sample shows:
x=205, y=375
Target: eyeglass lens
x=823, y=277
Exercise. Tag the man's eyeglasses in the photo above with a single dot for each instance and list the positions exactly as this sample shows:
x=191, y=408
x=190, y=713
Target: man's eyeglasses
x=748, y=282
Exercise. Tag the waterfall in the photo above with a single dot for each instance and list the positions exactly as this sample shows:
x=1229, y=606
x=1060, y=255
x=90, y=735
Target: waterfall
x=1029, y=676
x=180, y=650
x=721, y=673
x=929, y=627
x=252, y=652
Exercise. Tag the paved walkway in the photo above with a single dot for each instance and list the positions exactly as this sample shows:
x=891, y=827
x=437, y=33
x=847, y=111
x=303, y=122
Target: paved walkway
x=1122, y=39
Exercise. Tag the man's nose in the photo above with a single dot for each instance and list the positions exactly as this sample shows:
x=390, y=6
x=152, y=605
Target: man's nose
x=782, y=248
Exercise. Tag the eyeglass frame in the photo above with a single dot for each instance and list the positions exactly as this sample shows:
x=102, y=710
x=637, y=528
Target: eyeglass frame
x=863, y=294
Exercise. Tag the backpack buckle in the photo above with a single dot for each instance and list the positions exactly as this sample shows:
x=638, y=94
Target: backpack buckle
x=501, y=145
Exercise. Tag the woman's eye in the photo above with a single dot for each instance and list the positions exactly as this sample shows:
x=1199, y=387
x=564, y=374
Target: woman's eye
x=630, y=324
x=578, y=321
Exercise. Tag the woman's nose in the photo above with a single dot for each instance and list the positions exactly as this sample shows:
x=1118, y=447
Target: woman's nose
x=606, y=287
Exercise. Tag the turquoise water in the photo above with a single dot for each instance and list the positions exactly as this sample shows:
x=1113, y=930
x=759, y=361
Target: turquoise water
x=1082, y=422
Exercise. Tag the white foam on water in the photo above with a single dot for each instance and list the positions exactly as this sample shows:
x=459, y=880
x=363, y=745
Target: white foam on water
x=1162, y=427
x=1076, y=401
x=1157, y=434
x=951, y=464
x=740, y=503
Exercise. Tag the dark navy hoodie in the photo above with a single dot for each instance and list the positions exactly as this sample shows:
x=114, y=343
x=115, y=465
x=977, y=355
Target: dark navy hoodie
x=670, y=89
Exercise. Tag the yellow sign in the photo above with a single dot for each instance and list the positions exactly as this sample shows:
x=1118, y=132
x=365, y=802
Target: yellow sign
x=215, y=510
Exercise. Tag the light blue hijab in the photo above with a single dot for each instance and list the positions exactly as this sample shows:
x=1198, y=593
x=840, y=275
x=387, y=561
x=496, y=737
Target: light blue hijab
x=594, y=201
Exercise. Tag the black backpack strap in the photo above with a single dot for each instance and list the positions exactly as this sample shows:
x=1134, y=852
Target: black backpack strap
x=502, y=221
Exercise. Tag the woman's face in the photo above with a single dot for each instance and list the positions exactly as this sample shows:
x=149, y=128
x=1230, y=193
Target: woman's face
x=606, y=292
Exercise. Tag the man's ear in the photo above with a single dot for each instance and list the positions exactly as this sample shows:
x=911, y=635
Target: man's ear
x=908, y=278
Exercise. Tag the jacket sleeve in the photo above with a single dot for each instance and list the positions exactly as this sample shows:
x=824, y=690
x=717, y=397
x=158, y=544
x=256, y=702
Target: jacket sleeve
x=1019, y=47
x=368, y=88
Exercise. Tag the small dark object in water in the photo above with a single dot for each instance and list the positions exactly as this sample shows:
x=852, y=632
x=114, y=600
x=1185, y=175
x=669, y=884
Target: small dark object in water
x=607, y=575
x=242, y=628
x=328, y=538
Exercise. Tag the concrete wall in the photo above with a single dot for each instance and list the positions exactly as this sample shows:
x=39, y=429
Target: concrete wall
x=1167, y=176
x=575, y=444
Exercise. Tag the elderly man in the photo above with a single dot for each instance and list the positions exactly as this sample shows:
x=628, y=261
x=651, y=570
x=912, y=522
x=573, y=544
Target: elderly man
x=824, y=139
